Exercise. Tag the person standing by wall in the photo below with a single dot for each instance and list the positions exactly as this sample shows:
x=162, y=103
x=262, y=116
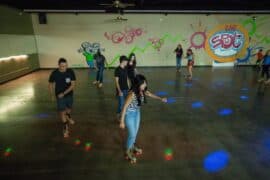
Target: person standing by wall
x=100, y=62
x=265, y=68
x=190, y=63
x=179, y=53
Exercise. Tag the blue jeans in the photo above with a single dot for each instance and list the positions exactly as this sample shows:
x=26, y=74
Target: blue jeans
x=121, y=100
x=178, y=62
x=91, y=64
x=132, y=122
x=99, y=76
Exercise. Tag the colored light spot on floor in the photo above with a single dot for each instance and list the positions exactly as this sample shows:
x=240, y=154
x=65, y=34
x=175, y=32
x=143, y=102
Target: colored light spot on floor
x=43, y=115
x=197, y=104
x=77, y=142
x=170, y=83
x=244, y=98
x=161, y=93
x=171, y=100
x=7, y=152
x=168, y=154
x=188, y=84
x=88, y=146
x=216, y=161
x=225, y=112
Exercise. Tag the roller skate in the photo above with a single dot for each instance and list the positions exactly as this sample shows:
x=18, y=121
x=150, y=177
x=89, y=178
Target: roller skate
x=137, y=151
x=65, y=130
x=130, y=156
x=69, y=119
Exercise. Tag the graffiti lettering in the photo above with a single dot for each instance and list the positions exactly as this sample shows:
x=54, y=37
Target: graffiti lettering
x=226, y=40
x=200, y=44
x=126, y=36
x=157, y=43
x=230, y=27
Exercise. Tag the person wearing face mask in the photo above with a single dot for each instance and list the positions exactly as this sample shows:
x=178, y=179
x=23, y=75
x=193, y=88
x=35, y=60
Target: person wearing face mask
x=131, y=114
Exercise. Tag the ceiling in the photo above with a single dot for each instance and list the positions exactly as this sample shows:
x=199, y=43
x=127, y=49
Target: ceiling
x=142, y=4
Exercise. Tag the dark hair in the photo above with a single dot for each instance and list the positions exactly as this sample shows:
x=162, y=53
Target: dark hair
x=190, y=50
x=138, y=81
x=261, y=50
x=62, y=60
x=123, y=58
x=129, y=58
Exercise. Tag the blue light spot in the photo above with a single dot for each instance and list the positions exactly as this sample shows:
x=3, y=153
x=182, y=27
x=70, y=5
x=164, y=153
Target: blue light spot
x=170, y=83
x=43, y=115
x=161, y=93
x=225, y=112
x=244, y=97
x=188, y=84
x=171, y=100
x=266, y=143
x=197, y=104
x=216, y=161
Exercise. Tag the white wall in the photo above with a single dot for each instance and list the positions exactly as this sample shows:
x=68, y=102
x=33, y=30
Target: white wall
x=64, y=33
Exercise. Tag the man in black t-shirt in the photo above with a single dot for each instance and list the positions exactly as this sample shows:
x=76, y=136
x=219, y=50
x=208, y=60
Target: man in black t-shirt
x=62, y=82
x=121, y=82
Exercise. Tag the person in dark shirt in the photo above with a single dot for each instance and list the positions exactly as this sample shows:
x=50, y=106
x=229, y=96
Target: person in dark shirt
x=62, y=82
x=121, y=82
x=100, y=62
x=179, y=53
x=131, y=67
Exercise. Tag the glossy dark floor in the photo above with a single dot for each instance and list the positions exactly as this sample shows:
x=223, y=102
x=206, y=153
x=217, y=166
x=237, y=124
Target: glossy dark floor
x=215, y=127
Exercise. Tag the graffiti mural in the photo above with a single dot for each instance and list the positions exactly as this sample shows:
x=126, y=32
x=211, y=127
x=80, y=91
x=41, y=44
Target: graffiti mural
x=135, y=49
x=198, y=38
x=227, y=42
x=251, y=52
x=156, y=43
x=89, y=50
x=254, y=25
x=127, y=36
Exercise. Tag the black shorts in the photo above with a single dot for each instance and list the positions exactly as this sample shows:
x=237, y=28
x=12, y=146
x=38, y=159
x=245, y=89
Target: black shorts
x=64, y=103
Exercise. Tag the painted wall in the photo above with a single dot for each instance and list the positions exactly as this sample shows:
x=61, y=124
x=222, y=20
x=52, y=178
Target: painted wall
x=17, y=38
x=152, y=37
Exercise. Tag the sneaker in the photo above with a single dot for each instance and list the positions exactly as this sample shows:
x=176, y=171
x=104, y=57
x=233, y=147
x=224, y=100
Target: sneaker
x=95, y=82
x=100, y=85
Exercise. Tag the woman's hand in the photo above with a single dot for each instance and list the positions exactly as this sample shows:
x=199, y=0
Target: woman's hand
x=122, y=124
x=164, y=100
x=61, y=95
